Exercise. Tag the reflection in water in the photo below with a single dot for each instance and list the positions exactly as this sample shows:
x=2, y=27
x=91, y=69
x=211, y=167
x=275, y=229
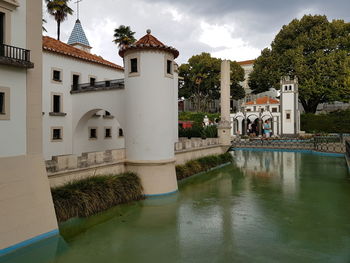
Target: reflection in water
x=268, y=207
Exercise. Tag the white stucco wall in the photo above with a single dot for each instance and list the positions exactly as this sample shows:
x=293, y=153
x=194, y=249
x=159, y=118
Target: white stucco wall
x=13, y=131
x=288, y=105
x=74, y=104
x=150, y=107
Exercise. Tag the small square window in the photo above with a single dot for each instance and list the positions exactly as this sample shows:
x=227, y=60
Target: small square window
x=133, y=65
x=56, y=103
x=169, y=65
x=288, y=116
x=56, y=134
x=274, y=109
x=107, y=83
x=93, y=133
x=92, y=81
x=56, y=75
x=108, y=133
x=2, y=102
x=121, y=133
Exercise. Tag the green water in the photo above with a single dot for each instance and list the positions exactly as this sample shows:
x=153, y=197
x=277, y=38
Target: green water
x=268, y=207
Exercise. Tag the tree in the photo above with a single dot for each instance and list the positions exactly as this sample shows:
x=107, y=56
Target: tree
x=201, y=79
x=317, y=52
x=60, y=10
x=123, y=36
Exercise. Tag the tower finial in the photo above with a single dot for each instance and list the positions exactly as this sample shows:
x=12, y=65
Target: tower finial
x=148, y=31
x=77, y=2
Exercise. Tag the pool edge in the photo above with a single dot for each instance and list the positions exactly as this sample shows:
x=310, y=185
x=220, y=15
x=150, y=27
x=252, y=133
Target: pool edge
x=28, y=242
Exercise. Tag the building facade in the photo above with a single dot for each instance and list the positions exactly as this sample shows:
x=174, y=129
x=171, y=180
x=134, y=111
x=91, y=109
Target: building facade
x=26, y=206
x=73, y=79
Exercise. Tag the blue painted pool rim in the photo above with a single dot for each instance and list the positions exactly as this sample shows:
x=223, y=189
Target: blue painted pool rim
x=28, y=242
x=288, y=150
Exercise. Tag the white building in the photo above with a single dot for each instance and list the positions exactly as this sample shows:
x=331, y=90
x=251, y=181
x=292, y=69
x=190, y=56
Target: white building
x=283, y=114
x=83, y=96
x=26, y=208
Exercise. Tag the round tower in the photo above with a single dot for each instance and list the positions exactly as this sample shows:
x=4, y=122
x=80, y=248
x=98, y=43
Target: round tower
x=149, y=131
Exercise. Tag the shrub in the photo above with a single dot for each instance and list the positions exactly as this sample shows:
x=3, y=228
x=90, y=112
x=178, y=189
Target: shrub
x=197, y=117
x=200, y=165
x=198, y=131
x=334, y=122
x=91, y=195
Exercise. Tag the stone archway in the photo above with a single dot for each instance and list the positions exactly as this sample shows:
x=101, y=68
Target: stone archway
x=100, y=121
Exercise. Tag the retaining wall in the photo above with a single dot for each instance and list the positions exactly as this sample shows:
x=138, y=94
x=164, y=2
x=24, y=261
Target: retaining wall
x=64, y=168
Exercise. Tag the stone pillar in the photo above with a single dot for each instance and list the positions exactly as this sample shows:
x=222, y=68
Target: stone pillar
x=225, y=123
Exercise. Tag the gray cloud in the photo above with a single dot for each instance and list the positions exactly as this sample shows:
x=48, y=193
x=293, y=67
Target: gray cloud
x=180, y=23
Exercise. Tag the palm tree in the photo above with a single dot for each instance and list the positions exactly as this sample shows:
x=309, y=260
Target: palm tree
x=123, y=36
x=59, y=9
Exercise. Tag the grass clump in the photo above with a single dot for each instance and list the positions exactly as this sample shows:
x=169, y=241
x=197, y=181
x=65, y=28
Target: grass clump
x=201, y=165
x=91, y=195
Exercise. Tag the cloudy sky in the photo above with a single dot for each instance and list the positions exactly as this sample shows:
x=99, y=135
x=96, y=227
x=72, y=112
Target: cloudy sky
x=230, y=29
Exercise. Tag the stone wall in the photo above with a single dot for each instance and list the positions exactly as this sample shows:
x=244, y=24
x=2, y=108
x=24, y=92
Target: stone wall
x=64, y=168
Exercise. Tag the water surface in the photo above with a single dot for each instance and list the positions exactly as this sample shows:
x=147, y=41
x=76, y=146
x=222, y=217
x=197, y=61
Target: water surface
x=267, y=207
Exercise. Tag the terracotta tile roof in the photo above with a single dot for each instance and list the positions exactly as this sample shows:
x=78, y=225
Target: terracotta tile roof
x=148, y=42
x=52, y=45
x=262, y=100
x=246, y=62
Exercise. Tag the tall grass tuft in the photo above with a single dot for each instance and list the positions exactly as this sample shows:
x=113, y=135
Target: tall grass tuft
x=201, y=165
x=91, y=195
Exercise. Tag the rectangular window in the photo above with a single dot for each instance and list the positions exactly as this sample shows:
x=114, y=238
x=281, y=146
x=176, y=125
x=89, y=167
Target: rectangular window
x=288, y=116
x=274, y=109
x=92, y=81
x=2, y=102
x=2, y=29
x=56, y=134
x=56, y=75
x=56, y=103
x=108, y=133
x=108, y=83
x=121, y=133
x=75, y=81
x=93, y=133
x=248, y=109
x=133, y=65
x=169, y=69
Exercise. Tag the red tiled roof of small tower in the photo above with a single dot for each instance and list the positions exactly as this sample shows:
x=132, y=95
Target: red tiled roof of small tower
x=246, y=62
x=262, y=100
x=148, y=42
x=52, y=45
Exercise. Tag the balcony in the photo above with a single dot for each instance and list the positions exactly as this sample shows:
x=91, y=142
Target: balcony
x=98, y=86
x=15, y=56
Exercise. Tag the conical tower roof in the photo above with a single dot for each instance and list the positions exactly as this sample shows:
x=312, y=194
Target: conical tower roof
x=78, y=37
x=148, y=42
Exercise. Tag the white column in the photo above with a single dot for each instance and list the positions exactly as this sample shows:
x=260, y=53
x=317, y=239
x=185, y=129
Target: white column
x=225, y=124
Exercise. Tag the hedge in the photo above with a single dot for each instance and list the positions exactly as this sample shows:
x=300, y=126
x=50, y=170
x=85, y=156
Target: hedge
x=91, y=195
x=199, y=131
x=197, y=117
x=334, y=122
x=201, y=165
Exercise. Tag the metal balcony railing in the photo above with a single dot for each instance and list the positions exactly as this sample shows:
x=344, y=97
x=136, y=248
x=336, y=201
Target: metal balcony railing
x=15, y=56
x=98, y=85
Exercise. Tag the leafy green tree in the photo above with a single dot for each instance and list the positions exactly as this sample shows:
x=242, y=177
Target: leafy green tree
x=123, y=36
x=201, y=79
x=60, y=10
x=317, y=52
x=237, y=91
